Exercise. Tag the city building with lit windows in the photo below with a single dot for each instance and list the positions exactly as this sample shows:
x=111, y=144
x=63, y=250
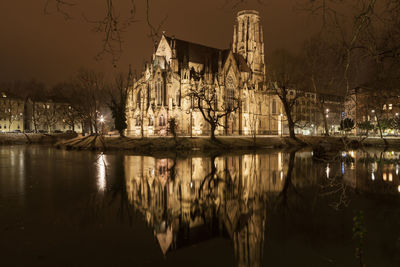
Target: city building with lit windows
x=12, y=113
x=363, y=104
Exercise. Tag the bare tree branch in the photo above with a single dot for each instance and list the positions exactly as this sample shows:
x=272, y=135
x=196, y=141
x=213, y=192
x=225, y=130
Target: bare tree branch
x=60, y=6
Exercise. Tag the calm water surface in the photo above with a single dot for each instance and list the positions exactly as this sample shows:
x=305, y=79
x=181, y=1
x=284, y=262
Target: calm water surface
x=79, y=208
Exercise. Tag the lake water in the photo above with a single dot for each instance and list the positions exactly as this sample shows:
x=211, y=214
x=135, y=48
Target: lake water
x=81, y=208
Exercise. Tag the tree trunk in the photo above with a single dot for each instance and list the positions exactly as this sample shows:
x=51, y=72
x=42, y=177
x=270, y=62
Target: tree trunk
x=381, y=134
x=212, y=133
x=291, y=128
x=326, y=126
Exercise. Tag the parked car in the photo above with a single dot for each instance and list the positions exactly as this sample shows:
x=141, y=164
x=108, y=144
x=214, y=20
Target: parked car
x=28, y=131
x=70, y=131
x=42, y=131
x=57, y=131
x=16, y=131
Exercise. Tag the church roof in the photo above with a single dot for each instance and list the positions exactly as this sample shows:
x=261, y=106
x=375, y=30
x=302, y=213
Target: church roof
x=241, y=62
x=197, y=53
x=193, y=52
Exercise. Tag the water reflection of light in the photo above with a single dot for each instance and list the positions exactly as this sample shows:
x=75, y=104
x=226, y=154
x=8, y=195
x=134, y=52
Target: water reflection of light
x=342, y=167
x=281, y=175
x=352, y=153
x=397, y=169
x=398, y=188
x=390, y=177
x=373, y=176
x=328, y=169
x=101, y=172
x=384, y=176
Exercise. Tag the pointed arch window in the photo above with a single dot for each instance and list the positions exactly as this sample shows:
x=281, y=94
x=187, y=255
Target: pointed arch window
x=242, y=31
x=159, y=91
x=151, y=121
x=138, y=99
x=273, y=106
x=230, y=92
x=138, y=121
x=161, y=121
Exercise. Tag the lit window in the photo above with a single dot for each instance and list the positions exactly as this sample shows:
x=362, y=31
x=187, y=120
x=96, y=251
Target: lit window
x=384, y=107
x=390, y=106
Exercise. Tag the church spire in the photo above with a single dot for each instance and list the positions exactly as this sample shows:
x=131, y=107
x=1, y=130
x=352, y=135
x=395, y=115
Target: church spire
x=248, y=39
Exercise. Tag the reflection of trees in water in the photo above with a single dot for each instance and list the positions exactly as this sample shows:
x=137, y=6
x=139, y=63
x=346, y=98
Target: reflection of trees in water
x=185, y=201
x=360, y=171
x=221, y=196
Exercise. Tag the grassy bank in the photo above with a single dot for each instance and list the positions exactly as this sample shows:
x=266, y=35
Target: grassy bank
x=204, y=144
x=32, y=138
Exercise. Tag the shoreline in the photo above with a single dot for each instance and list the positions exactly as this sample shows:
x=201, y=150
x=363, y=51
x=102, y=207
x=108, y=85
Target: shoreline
x=203, y=145
x=33, y=138
x=195, y=145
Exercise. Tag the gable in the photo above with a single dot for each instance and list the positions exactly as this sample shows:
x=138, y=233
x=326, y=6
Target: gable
x=230, y=69
x=164, y=49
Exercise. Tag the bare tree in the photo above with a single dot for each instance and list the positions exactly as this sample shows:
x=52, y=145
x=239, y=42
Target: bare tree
x=87, y=97
x=69, y=115
x=286, y=81
x=205, y=97
x=323, y=71
x=117, y=17
x=118, y=100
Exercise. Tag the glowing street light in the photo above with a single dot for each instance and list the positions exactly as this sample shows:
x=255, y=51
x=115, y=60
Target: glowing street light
x=101, y=120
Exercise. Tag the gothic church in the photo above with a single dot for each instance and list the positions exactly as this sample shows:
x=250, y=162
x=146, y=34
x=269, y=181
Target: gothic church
x=161, y=93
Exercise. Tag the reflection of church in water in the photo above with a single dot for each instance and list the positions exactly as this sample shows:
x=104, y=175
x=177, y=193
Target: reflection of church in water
x=190, y=202
x=187, y=201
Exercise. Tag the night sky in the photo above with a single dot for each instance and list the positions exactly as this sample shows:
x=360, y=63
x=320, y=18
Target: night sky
x=51, y=49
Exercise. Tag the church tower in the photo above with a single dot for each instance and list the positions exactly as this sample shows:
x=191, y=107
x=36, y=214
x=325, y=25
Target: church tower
x=248, y=40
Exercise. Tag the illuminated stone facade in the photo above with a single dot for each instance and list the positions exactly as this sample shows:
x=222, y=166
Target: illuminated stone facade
x=162, y=91
x=224, y=196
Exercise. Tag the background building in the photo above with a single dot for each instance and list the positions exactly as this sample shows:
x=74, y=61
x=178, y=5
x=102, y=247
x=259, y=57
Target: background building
x=365, y=105
x=12, y=113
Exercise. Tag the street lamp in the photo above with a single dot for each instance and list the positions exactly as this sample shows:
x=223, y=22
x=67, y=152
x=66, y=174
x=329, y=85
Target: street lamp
x=102, y=123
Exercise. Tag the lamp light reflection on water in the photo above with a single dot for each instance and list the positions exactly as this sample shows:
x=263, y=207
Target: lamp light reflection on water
x=328, y=169
x=101, y=172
